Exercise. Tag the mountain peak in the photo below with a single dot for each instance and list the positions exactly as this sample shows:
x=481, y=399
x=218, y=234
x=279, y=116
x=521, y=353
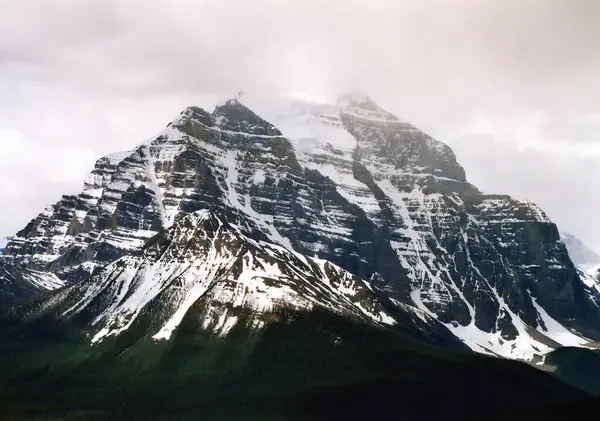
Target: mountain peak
x=348, y=183
x=237, y=117
x=356, y=98
x=361, y=106
x=193, y=113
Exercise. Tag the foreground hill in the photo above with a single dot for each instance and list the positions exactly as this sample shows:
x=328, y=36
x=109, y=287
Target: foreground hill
x=314, y=365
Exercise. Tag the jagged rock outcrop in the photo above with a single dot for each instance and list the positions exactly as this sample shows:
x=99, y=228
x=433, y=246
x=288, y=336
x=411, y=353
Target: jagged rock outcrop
x=350, y=183
x=207, y=265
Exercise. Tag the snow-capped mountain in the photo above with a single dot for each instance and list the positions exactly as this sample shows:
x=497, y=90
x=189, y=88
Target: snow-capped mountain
x=347, y=182
x=206, y=266
x=583, y=256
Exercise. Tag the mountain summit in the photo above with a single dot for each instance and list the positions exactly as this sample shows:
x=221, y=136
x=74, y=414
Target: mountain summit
x=348, y=183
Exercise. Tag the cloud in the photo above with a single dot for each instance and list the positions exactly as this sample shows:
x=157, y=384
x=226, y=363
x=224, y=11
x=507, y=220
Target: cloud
x=85, y=78
x=564, y=186
x=467, y=52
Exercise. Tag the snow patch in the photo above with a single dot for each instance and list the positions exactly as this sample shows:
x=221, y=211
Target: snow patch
x=555, y=330
x=259, y=177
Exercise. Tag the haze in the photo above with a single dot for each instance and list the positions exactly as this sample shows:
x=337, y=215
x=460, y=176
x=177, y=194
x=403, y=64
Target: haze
x=512, y=86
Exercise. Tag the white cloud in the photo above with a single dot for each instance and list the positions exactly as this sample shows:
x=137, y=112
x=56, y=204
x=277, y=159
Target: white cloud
x=513, y=79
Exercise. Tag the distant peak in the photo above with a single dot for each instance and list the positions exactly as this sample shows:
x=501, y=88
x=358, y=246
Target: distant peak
x=235, y=116
x=193, y=113
x=362, y=106
x=356, y=99
x=233, y=102
x=193, y=110
x=230, y=105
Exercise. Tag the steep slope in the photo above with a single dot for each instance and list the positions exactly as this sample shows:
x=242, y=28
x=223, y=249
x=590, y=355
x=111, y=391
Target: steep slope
x=491, y=267
x=350, y=183
x=24, y=283
x=206, y=263
x=200, y=161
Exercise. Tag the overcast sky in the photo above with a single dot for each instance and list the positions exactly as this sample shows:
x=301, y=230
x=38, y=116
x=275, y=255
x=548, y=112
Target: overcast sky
x=512, y=86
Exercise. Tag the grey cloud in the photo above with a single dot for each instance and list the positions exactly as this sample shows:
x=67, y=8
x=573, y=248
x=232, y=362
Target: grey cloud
x=567, y=189
x=457, y=54
x=576, y=127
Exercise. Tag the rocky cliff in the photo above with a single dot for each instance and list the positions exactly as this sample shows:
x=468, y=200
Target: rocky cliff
x=348, y=183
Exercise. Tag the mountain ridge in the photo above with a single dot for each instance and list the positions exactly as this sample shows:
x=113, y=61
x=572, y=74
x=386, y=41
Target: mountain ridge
x=205, y=263
x=349, y=183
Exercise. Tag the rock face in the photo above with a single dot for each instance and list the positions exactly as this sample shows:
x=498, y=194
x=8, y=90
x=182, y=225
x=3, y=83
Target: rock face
x=349, y=183
x=206, y=264
x=25, y=283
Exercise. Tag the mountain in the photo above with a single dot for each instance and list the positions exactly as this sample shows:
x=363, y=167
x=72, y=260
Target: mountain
x=287, y=260
x=581, y=255
x=346, y=360
x=16, y=285
x=23, y=283
x=585, y=259
x=206, y=264
x=347, y=182
x=240, y=328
